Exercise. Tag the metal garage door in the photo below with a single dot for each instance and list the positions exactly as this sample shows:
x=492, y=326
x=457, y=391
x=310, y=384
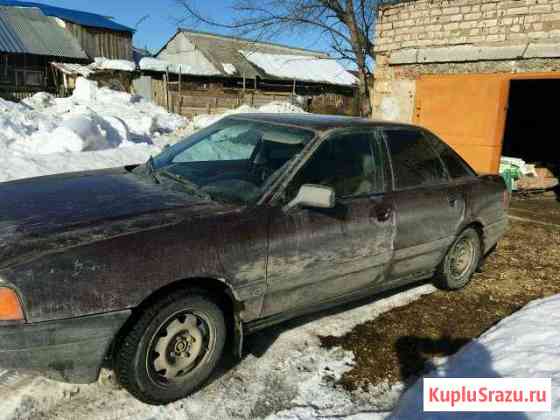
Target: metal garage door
x=468, y=112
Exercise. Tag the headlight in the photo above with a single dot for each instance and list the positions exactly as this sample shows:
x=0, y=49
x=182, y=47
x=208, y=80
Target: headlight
x=10, y=306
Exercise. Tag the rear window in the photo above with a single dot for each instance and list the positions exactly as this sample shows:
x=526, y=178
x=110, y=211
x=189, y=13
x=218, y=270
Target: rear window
x=456, y=166
x=415, y=163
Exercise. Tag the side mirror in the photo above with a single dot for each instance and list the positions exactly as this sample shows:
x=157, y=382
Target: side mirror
x=317, y=196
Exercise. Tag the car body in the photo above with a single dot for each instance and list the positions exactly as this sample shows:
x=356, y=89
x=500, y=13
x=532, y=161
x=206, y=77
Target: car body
x=82, y=253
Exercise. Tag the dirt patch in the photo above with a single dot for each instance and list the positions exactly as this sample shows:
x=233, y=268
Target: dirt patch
x=398, y=345
x=541, y=208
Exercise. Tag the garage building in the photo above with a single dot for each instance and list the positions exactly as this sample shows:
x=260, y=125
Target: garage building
x=483, y=75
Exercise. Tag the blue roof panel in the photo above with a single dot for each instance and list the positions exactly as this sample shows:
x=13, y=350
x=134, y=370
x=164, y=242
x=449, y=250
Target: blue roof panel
x=75, y=16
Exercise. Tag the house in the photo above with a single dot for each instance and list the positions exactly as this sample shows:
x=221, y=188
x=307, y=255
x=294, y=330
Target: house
x=484, y=75
x=32, y=35
x=217, y=72
x=29, y=40
x=99, y=36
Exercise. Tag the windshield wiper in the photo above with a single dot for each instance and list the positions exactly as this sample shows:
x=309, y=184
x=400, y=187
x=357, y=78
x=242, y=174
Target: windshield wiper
x=190, y=186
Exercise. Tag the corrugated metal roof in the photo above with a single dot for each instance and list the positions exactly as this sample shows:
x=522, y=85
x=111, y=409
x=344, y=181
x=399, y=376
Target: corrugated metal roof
x=28, y=31
x=231, y=56
x=221, y=49
x=74, y=16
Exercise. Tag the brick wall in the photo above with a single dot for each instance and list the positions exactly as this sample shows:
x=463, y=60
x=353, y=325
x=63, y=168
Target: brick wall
x=432, y=23
x=459, y=37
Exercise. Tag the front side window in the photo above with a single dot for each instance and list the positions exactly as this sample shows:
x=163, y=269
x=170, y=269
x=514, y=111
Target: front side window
x=415, y=163
x=347, y=163
x=456, y=166
x=232, y=160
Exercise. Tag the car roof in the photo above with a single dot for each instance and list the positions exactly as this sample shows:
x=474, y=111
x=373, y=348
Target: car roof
x=318, y=122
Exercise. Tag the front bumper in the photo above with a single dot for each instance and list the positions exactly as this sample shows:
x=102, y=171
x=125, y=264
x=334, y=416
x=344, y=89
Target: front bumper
x=71, y=350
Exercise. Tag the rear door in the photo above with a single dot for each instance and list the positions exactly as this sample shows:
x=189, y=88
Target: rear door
x=316, y=255
x=429, y=209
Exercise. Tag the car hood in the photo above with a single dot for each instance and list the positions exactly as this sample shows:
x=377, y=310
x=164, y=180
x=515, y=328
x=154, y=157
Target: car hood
x=48, y=213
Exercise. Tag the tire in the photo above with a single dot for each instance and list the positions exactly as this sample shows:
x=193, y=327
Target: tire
x=172, y=348
x=460, y=262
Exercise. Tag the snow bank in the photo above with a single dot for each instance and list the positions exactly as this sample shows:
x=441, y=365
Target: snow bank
x=198, y=69
x=524, y=345
x=92, y=119
x=44, y=135
x=301, y=67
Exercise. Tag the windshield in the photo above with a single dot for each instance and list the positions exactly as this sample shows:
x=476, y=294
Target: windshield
x=231, y=160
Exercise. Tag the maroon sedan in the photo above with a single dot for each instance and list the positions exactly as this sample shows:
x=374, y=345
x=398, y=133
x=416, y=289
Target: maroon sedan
x=249, y=222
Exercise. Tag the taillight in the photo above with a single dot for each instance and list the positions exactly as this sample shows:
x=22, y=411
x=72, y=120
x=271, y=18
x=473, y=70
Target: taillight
x=10, y=306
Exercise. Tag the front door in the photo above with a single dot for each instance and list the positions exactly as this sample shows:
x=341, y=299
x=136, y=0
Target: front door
x=316, y=255
x=428, y=209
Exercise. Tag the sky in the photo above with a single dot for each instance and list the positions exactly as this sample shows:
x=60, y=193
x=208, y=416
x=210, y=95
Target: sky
x=163, y=15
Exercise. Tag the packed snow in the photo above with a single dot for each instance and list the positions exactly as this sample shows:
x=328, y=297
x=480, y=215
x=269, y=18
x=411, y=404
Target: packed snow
x=162, y=66
x=296, y=67
x=524, y=345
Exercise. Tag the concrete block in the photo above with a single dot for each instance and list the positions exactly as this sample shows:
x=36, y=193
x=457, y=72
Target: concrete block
x=542, y=51
x=463, y=53
x=404, y=56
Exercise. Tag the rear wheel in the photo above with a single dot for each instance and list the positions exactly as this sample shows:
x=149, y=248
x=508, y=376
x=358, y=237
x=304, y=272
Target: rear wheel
x=460, y=262
x=172, y=348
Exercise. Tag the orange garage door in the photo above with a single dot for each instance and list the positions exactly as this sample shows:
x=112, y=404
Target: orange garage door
x=468, y=112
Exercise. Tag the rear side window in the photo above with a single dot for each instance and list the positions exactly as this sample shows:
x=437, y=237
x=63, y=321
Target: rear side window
x=415, y=163
x=456, y=166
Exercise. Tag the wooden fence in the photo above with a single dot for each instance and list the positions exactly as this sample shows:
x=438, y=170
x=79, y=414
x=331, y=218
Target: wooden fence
x=17, y=94
x=195, y=102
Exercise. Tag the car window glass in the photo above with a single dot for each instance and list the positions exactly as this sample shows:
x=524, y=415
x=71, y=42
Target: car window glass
x=456, y=166
x=346, y=163
x=415, y=163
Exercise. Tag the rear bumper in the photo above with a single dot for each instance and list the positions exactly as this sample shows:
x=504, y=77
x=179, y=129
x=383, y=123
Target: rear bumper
x=493, y=233
x=70, y=350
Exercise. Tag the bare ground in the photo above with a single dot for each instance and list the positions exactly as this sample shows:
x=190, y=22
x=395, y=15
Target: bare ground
x=400, y=344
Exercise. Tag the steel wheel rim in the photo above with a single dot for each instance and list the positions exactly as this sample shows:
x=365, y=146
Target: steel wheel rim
x=178, y=347
x=462, y=257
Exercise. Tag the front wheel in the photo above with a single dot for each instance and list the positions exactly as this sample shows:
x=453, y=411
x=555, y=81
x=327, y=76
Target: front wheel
x=460, y=262
x=171, y=349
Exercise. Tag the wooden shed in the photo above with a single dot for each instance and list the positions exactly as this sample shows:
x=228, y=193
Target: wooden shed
x=199, y=72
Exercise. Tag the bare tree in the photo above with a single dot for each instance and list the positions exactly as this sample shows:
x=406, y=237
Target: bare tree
x=347, y=24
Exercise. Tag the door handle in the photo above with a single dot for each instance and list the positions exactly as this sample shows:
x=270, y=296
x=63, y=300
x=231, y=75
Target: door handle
x=452, y=198
x=383, y=213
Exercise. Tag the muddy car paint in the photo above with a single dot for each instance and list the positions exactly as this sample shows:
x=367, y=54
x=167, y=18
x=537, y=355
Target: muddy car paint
x=99, y=242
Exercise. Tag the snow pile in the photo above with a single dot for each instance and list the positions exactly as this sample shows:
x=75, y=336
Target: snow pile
x=524, y=345
x=295, y=67
x=161, y=66
x=92, y=119
x=204, y=120
x=93, y=129
x=107, y=64
x=281, y=108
